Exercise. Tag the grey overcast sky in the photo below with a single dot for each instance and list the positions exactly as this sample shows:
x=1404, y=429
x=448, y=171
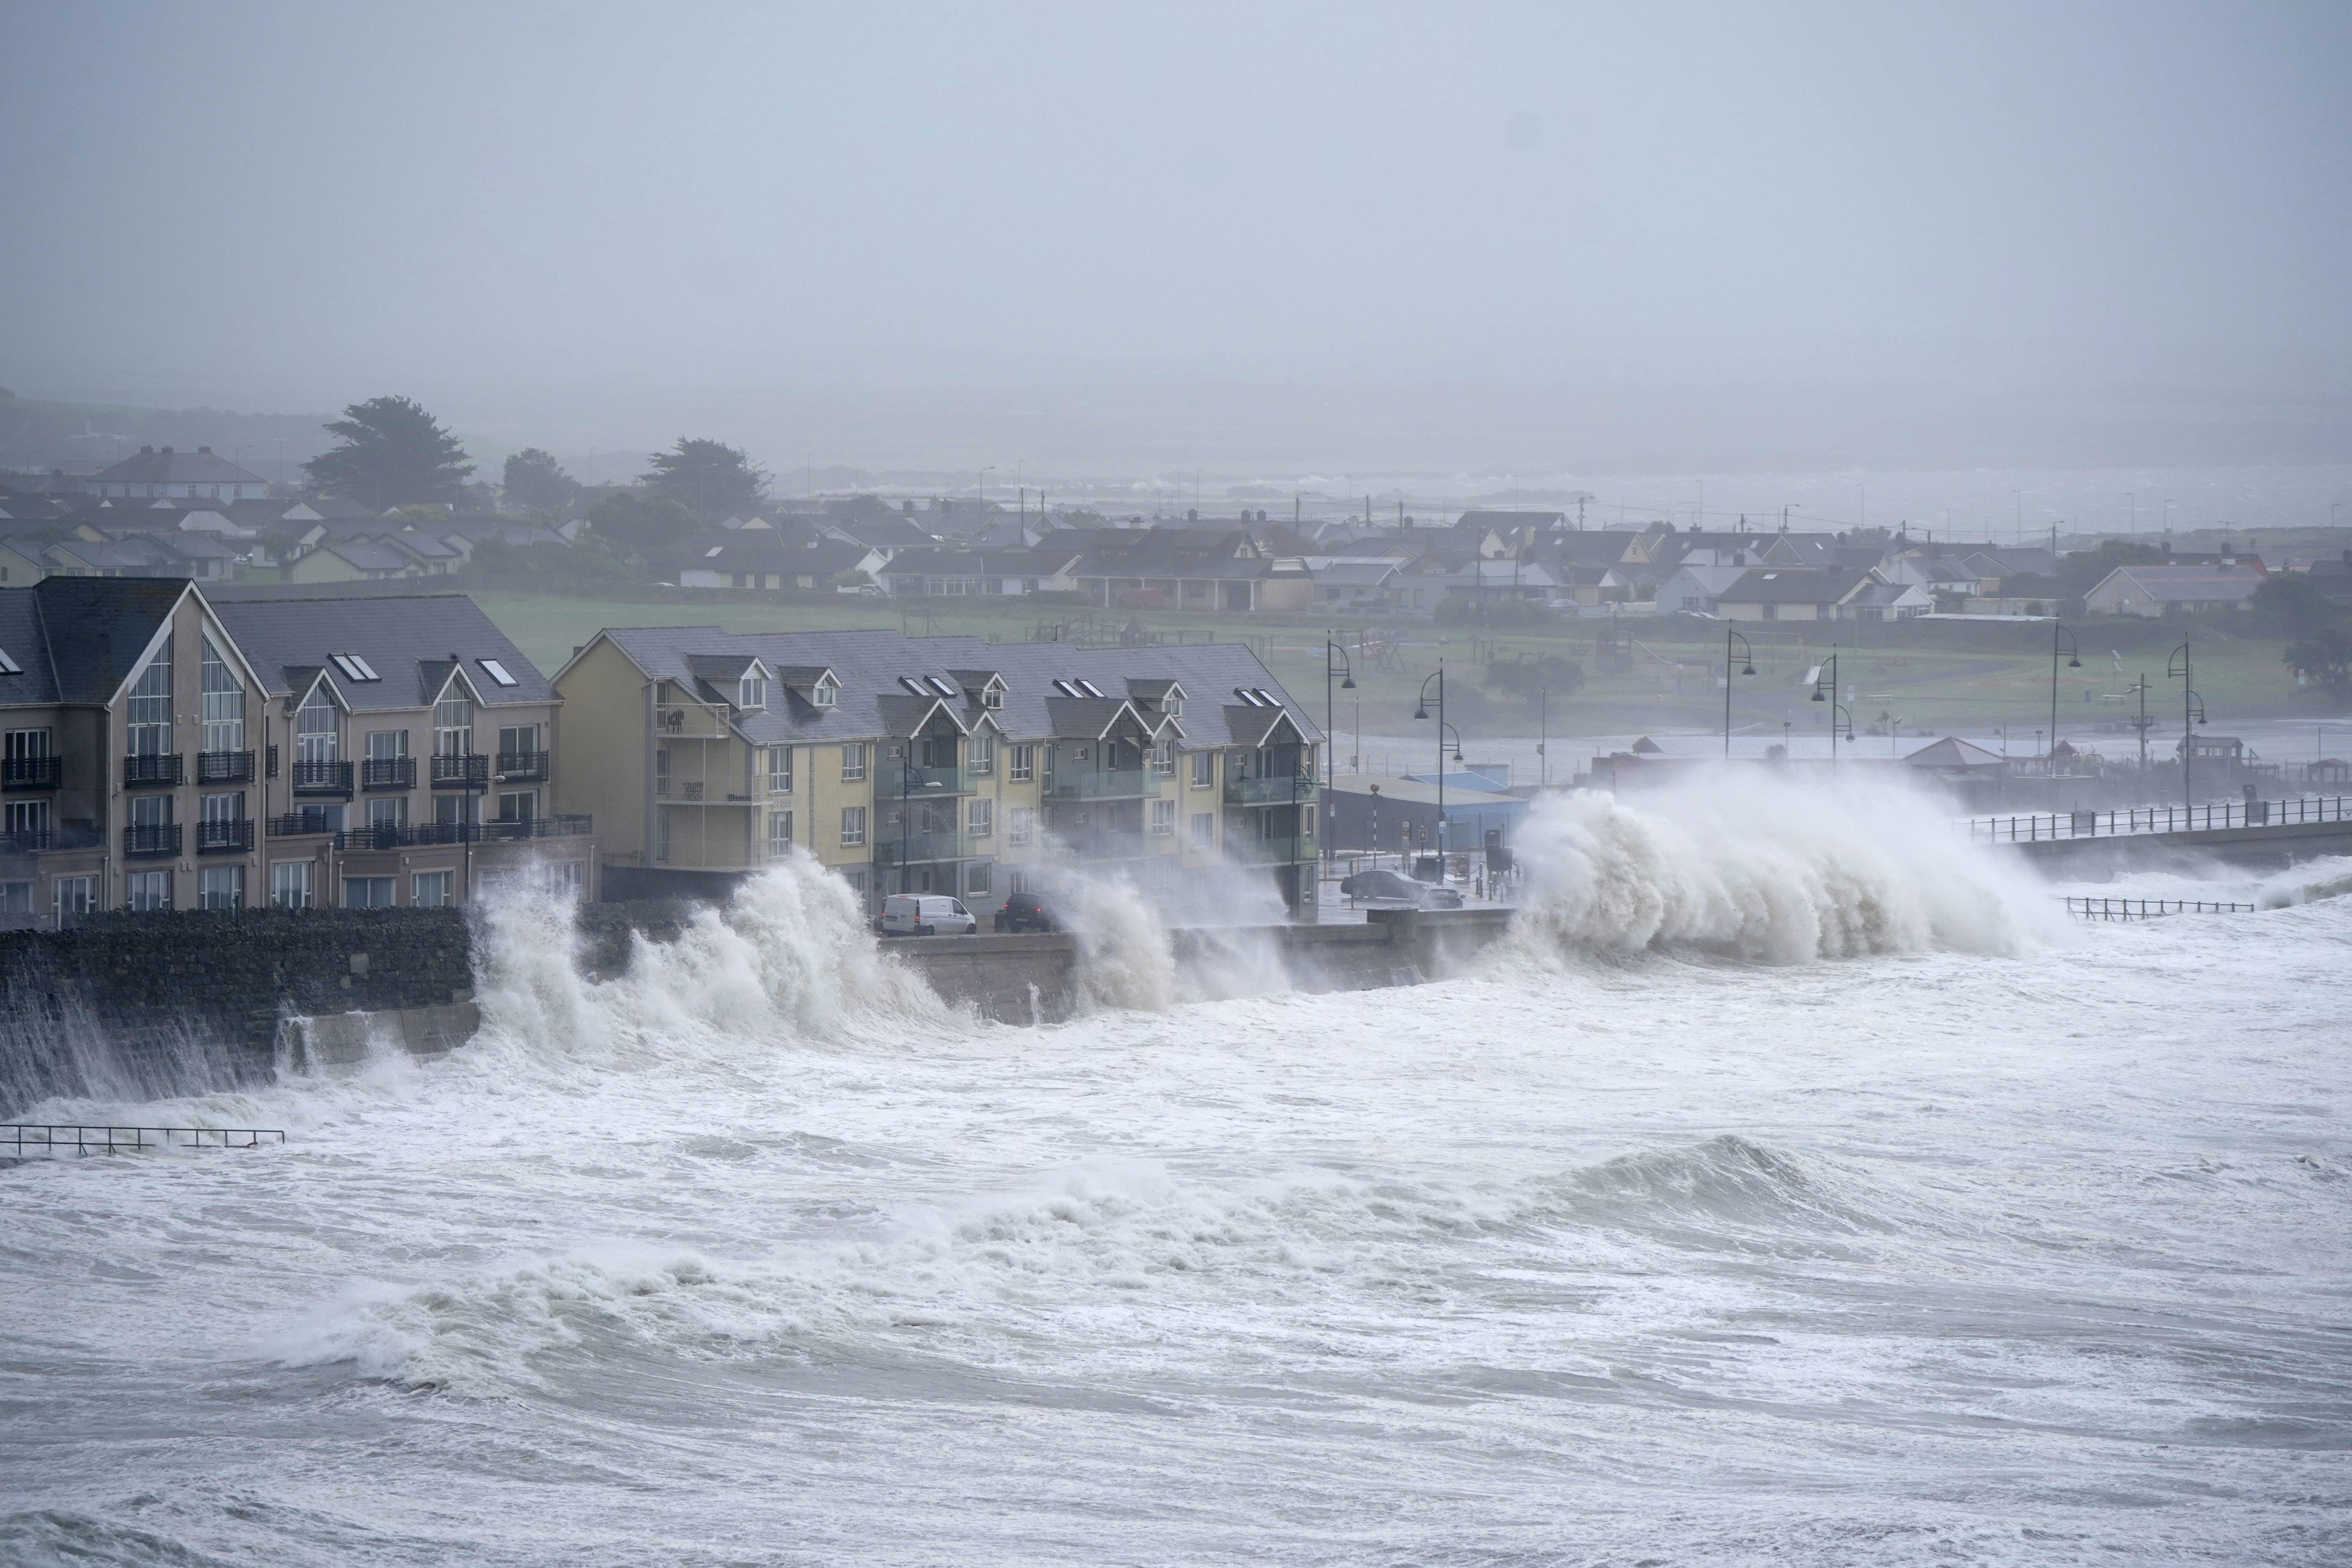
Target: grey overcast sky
x=592, y=222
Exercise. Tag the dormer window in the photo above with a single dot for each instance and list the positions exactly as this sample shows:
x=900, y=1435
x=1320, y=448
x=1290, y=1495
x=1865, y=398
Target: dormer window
x=826, y=692
x=993, y=697
x=751, y=692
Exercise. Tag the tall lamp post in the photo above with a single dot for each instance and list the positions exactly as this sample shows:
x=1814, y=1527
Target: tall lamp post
x=1825, y=685
x=2182, y=668
x=1330, y=755
x=2074, y=661
x=1543, y=739
x=1747, y=666
x=1420, y=710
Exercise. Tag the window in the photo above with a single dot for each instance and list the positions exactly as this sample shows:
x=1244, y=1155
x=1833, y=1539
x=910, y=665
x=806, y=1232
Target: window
x=151, y=811
x=1024, y=764
x=220, y=888
x=780, y=770
x=976, y=879
x=1205, y=829
x=496, y=671
x=519, y=806
x=780, y=834
x=314, y=727
x=148, y=892
x=1204, y=769
x=853, y=762
x=224, y=703
x=150, y=708
x=1021, y=825
x=387, y=746
x=1171, y=702
x=1307, y=822
x=224, y=807
x=28, y=823
x=70, y=897
x=751, y=692
x=1163, y=759
x=853, y=826
x=453, y=722
x=430, y=889
x=1164, y=818
x=661, y=771
x=825, y=692
x=980, y=818
x=984, y=753
x=661, y=835
x=368, y=892
x=16, y=898
x=567, y=878
x=391, y=810
x=354, y=667
x=993, y=695
x=519, y=743
x=29, y=745
x=450, y=810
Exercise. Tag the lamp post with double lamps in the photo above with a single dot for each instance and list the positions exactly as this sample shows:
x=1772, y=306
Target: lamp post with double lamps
x=1825, y=685
x=1330, y=756
x=1420, y=710
x=2181, y=667
x=1747, y=666
x=2074, y=661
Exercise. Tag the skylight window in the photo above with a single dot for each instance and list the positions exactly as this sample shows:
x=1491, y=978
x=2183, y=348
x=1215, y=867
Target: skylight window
x=354, y=667
x=940, y=686
x=713, y=551
x=497, y=672
x=1090, y=689
x=911, y=684
x=1268, y=697
x=1066, y=688
x=1249, y=699
x=9, y=666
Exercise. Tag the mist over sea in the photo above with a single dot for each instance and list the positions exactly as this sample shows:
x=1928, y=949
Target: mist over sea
x=1796, y=1187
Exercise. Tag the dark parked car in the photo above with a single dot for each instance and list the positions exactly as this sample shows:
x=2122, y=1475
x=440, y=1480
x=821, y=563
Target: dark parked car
x=1388, y=887
x=1026, y=912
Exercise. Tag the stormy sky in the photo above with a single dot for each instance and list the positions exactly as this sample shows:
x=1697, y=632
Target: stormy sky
x=1652, y=233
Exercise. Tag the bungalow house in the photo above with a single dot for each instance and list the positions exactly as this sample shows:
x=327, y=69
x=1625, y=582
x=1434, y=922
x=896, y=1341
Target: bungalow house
x=353, y=561
x=1791, y=594
x=202, y=473
x=2153, y=591
x=1694, y=588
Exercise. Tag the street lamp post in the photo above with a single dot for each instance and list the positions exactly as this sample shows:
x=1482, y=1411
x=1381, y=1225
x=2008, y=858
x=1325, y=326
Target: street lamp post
x=2074, y=661
x=1748, y=655
x=2181, y=668
x=1330, y=755
x=1543, y=738
x=1420, y=710
x=1825, y=685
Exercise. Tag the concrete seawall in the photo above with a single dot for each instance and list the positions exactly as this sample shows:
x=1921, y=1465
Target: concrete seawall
x=2279, y=843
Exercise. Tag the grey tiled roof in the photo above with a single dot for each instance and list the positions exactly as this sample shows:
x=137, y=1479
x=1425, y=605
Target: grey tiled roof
x=200, y=467
x=397, y=634
x=97, y=627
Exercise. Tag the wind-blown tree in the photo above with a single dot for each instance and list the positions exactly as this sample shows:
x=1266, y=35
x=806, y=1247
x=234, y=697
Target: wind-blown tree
x=535, y=479
x=709, y=478
x=393, y=454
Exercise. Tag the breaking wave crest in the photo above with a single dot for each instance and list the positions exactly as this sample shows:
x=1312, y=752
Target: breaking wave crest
x=1766, y=870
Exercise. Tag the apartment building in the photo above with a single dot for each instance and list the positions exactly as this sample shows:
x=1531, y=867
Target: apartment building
x=165, y=751
x=931, y=765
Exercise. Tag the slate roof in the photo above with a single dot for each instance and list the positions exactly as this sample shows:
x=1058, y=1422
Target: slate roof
x=1791, y=585
x=398, y=635
x=150, y=467
x=2189, y=584
x=96, y=628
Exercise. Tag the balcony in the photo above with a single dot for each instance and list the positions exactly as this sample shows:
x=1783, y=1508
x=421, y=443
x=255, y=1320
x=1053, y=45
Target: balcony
x=33, y=841
x=689, y=723
x=467, y=769
x=31, y=772
x=230, y=836
x=408, y=834
x=223, y=767
x=1282, y=789
x=1273, y=851
x=523, y=767
x=566, y=825
x=294, y=824
x=917, y=782
x=890, y=849
x=162, y=838
x=388, y=773
x=156, y=770
x=1109, y=783
x=322, y=778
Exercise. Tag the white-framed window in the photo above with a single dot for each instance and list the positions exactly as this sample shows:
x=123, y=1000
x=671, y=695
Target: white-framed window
x=150, y=708
x=220, y=888
x=993, y=695
x=976, y=879
x=853, y=826
x=661, y=773
x=1163, y=759
x=453, y=723
x=1023, y=765
x=1204, y=769
x=826, y=692
x=314, y=727
x=386, y=745
x=1164, y=818
x=72, y=898
x=980, y=818
x=1307, y=822
x=1172, y=703
x=147, y=892
x=16, y=898
x=368, y=892
x=224, y=703
x=387, y=811
x=292, y=884
x=1205, y=829
x=751, y=692
x=853, y=762
x=567, y=878
x=981, y=752
x=1021, y=825
x=431, y=890
x=780, y=770
x=780, y=834
x=28, y=824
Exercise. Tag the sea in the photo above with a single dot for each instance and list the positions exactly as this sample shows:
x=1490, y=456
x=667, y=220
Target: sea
x=1799, y=1186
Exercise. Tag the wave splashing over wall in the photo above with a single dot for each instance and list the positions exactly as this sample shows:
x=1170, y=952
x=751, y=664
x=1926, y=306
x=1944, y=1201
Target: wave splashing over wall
x=1767, y=871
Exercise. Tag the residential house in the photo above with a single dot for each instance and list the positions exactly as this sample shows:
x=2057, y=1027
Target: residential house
x=1179, y=568
x=353, y=561
x=1693, y=588
x=961, y=573
x=931, y=765
x=1791, y=594
x=201, y=473
x=2153, y=591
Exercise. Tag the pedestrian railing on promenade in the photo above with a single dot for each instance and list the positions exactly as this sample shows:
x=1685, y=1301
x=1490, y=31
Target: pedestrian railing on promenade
x=2150, y=908
x=2145, y=819
x=33, y=1141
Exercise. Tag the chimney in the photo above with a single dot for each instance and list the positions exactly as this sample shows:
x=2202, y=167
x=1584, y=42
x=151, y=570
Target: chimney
x=204, y=448
x=150, y=451
x=167, y=451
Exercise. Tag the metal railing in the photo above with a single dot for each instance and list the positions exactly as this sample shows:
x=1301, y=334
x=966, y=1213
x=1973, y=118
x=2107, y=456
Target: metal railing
x=388, y=773
x=422, y=835
x=559, y=824
x=2150, y=908
x=159, y=838
x=40, y=1141
x=152, y=770
x=223, y=767
x=914, y=782
x=31, y=772
x=2143, y=819
x=294, y=823
x=322, y=778
x=1279, y=790
x=523, y=767
x=469, y=770
x=221, y=837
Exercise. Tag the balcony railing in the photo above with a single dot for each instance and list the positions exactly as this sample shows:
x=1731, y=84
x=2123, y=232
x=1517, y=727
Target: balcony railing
x=156, y=770
x=1110, y=784
x=31, y=772
x=294, y=824
x=1273, y=851
x=469, y=770
x=563, y=825
x=388, y=773
x=33, y=840
x=322, y=778
x=223, y=767
x=523, y=767
x=1281, y=789
x=161, y=839
x=914, y=782
x=227, y=837
x=889, y=849
x=408, y=834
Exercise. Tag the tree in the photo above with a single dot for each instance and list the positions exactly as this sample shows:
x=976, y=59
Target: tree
x=642, y=525
x=1526, y=679
x=535, y=479
x=2296, y=603
x=710, y=478
x=392, y=453
x=2324, y=656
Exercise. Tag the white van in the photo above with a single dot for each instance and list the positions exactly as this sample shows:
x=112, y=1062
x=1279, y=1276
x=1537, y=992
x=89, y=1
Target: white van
x=926, y=914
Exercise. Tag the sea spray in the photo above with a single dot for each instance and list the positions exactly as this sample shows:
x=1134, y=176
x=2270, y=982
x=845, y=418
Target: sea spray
x=1128, y=955
x=1768, y=869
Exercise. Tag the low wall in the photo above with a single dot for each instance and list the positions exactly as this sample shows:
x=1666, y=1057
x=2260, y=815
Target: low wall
x=2279, y=845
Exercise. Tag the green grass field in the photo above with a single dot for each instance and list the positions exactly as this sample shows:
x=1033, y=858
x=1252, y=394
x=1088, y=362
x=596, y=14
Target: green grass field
x=1938, y=676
